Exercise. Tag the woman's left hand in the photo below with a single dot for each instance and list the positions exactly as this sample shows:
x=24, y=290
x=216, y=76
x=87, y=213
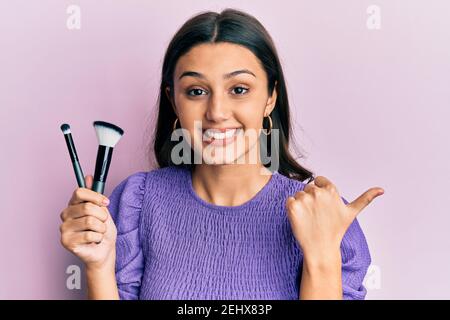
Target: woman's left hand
x=319, y=218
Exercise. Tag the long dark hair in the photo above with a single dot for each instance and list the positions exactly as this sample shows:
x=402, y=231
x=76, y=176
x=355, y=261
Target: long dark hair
x=240, y=28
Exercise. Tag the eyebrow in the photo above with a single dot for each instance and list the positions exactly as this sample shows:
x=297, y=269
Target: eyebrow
x=225, y=76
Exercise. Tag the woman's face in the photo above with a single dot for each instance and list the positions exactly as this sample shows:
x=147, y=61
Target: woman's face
x=220, y=97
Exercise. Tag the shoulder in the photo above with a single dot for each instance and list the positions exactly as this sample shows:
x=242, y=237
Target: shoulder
x=289, y=185
x=135, y=186
x=142, y=178
x=128, y=198
x=167, y=173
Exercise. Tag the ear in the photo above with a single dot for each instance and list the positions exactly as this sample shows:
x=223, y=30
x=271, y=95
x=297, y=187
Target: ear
x=271, y=101
x=169, y=97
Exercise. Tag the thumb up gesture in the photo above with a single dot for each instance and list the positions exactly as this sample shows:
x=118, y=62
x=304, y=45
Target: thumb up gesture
x=319, y=218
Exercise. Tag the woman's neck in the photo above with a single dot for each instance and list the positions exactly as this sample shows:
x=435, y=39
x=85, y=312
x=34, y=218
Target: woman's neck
x=231, y=184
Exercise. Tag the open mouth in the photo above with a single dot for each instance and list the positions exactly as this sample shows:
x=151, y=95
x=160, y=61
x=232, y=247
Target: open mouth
x=220, y=137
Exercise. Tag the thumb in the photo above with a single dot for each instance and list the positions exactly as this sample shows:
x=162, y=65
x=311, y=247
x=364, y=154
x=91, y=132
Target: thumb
x=89, y=180
x=363, y=200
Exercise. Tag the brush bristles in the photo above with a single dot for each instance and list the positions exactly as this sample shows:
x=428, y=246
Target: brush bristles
x=107, y=133
x=65, y=128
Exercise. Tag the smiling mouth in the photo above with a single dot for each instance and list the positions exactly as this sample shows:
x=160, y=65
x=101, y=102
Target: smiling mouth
x=220, y=136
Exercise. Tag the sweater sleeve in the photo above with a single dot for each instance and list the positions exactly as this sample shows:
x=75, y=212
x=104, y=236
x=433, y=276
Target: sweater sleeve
x=125, y=208
x=355, y=261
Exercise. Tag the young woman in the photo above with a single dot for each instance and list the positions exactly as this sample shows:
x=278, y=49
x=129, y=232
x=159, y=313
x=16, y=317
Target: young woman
x=224, y=227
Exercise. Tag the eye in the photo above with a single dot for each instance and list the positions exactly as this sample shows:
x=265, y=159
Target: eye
x=196, y=92
x=240, y=90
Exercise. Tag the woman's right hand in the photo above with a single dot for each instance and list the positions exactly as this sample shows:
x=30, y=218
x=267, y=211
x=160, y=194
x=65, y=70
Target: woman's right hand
x=88, y=230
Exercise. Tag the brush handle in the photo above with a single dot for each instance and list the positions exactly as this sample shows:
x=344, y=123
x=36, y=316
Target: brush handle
x=75, y=162
x=98, y=186
x=79, y=174
x=104, y=155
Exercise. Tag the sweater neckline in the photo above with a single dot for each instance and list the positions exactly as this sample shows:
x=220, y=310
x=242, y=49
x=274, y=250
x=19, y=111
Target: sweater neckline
x=260, y=194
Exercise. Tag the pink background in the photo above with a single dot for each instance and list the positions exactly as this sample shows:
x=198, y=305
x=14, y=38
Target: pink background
x=371, y=107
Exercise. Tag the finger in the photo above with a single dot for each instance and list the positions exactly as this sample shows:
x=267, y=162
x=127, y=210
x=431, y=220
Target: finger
x=299, y=195
x=89, y=180
x=89, y=223
x=85, y=237
x=323, y=182
x=85, y=209
x=292, y=206
x=81, y=195
x=363, y=200
x=309, y=187
x=303, y=198
x=289, y=202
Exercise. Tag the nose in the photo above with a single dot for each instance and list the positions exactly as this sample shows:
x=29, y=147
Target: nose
x=218, y=109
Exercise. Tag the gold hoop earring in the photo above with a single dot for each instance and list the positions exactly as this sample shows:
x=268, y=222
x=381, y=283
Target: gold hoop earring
x=175, y=124
x=270, y=127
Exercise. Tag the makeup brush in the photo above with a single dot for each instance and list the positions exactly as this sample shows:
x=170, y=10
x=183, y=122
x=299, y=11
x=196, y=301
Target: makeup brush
x=108, y=135
x=65, y=128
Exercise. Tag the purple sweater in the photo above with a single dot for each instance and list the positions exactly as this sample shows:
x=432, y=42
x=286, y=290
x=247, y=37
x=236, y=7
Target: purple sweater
x=172, y=244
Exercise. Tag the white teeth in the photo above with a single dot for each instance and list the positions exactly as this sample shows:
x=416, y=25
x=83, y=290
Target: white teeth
x=214, y=134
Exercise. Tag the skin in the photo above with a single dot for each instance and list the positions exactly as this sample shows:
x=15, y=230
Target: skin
x=240, y=100
x=211, y=88
x=86, y=220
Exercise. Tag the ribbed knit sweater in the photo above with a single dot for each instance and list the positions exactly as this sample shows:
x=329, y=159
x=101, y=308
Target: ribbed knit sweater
x=172, y=244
